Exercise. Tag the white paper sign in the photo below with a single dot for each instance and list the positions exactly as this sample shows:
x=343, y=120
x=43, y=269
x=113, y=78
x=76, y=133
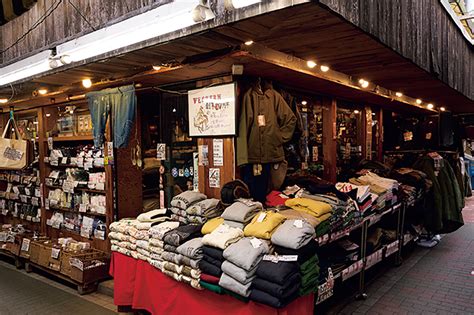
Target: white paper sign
x=161, y=151
x=203, y=155
x=25, y=245
x=214, y=178
x=55, y=253
x=212, y=111
x=218, y=152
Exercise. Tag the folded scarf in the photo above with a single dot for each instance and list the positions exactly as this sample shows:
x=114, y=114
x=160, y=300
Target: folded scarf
x=222, y=236
x=209, y=268
x=156, y=242
x=190, y=272
x=186, y=199
x=293, y=234
x=209, y=278
x=279, y=272
x=191, y=281
x=243, y=210
x=171, y=257
x=211, y=225
x=211, y=287
x=182, y=234
x=264, y=224
x=143, y=244
x=158, y=231
x=304, y=253
x=313, y=207
x=193, y=263
x=156, y=263
x=247, y=252
x=239, y=274
x=155, y=250
x=191, y=248
x=235, y=286
x=172, y=267
x=298, y=215
x=267, y=299
x=280, y=291
x=213, y=252
x=151, y=216
x=204, y=208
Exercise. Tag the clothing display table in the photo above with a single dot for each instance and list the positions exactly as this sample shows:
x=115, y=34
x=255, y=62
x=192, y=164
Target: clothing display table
x=142, y=286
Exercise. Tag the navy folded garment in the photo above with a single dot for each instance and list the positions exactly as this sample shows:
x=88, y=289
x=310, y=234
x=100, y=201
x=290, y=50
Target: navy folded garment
x=212, y=260
x=210, y=269
x=213, y=252
x=265, y=298
x=278, y=272
x=280, y=291
x=304, y=253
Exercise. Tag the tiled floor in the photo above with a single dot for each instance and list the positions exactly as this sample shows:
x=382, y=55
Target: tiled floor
x=22, y=293
x=430, y=281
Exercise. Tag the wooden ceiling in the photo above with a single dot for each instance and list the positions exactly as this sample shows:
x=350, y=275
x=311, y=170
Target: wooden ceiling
x=306, y=31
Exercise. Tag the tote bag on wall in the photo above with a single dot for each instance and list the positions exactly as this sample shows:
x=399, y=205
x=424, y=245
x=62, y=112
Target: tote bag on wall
x=15, y=154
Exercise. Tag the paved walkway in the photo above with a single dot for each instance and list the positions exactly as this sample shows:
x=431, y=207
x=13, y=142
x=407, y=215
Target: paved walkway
x=22, y=293
x=430, y=281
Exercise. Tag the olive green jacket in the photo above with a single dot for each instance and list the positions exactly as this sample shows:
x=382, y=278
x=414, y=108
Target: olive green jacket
x=260, y=143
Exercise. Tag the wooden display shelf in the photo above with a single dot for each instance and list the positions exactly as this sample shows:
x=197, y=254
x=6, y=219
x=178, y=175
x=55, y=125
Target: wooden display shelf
x=62, y=209
x=72, y=138
x=75, y=166
x=96, y=191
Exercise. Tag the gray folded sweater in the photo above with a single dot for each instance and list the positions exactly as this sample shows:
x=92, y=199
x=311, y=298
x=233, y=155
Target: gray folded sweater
x=243, y=210
x=229, y=283
x=186, y=199
x=191, y=248
x=293, y=234
x=247, y=252
x=239, y=274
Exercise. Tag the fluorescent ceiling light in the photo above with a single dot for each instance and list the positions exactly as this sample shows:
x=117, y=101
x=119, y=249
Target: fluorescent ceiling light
x=237, y=4
x=162, y=20
x=25, y=68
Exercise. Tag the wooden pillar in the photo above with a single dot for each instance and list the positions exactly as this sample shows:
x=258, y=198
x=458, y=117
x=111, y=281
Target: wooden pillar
x=366, y=132
x=43, y=167
x=380, y=135
x=329, y=139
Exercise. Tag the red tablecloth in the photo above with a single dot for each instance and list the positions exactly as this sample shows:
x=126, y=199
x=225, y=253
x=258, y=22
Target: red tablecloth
x=142, y=286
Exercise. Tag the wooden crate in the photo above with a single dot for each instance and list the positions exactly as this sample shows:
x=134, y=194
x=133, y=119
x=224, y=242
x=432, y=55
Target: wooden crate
x=66, y=268
x=85, y=270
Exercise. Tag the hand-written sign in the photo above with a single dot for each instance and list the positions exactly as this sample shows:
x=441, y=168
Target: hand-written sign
x=212, y=111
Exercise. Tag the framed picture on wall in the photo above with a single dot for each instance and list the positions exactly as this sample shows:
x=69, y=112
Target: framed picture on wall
x=212, y=111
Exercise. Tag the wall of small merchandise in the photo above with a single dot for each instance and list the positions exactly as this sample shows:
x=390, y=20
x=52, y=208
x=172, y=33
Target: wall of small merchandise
x=68, y=190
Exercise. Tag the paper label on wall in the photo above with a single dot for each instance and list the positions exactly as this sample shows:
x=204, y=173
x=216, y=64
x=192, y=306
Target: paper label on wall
x=35, y=201
x=25, y=245
x=218, y=152
x=161, y=151
x=214, y=178
x=212, y=111
x=196, y=171
x=68, y=186
x=55, y=253
x=64, y=160
x=82, y=208
x=110, y=149
x=315, y=153
x=50, y=143
x=203, y=155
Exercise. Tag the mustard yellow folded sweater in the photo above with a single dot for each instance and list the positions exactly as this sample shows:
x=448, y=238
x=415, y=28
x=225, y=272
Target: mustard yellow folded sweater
x=266, y=227
x=211, y=225
x=310, y=206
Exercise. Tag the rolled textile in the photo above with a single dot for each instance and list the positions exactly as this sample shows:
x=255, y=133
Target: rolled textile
x=156, y=256
x=293, y=234
x=172, y=267
x=156, y=242
x=191, y=248
x=190, y=272
x=267, y=299
x=182, y=234
x=264, y=224
x=211, y=225
x=151, y=216
x=239, y=274
x=209, y=268
x=209, y=278
x=191, y=281
x=147, y=225
x=222, y=236
x=247, y=252
x=211, y=287
x=242, y=210
x=213, y=252
x=171, y=257
x=204, y=208
x=235, y=286
x=279, y=291
x=304, y=253
x=155, y=250
x=158, y=231
x=186, y=199
x=279, y=272
x=142, y=244
x=234, y=224
x=193, y=263
x=171, y=274
x=313, y=207
x=156, y=263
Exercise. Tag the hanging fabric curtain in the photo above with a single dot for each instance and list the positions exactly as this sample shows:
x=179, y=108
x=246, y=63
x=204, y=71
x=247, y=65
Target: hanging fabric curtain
x=120, y=103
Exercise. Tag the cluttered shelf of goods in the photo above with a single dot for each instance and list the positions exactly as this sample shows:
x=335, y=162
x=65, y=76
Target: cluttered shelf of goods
x=284, y=256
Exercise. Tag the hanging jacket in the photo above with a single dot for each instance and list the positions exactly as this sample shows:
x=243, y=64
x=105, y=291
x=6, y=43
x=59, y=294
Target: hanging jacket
x=263, y=143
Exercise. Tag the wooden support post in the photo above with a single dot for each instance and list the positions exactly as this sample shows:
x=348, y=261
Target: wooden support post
x=43, y=152
x=329, y=139
x=380, y=135
x=367, y=133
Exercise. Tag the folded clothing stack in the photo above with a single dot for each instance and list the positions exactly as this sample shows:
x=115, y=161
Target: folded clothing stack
x=211, y=225
x=241, y=212
x=264, y=224
x=121, y=238
x=322, y=211
x=211, y=261
x=156, y=244
x=222, y=236
x=276, y=283
x=241, y=262
x=200, y=212
x=148, y=219
x=308, y=262
x=183, y=201
x=293, y=234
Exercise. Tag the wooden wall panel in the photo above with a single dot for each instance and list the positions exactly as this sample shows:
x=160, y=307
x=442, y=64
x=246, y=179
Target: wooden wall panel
x=329, y=139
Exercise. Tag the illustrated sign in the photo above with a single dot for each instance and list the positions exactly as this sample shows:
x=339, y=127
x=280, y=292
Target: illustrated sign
x=212, y=111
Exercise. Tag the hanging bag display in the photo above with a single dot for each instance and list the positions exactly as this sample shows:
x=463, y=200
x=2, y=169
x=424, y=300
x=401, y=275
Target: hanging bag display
x=15, y=154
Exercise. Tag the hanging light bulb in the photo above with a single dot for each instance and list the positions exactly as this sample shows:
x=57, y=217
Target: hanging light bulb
x=430, y=106
x=363, y=83
x=249, y=42
x=443, y=109
x=311, y=64
x=174, y=110
x=304, y=102
x=156, y=68
x=42, y=91
x=324, y=68
x=399, y=94
x=3, y=100
x=87, y=83
x=418, y=101
x=356, y=111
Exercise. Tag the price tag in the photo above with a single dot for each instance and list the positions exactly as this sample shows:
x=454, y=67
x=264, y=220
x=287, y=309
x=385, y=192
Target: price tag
x=46, y=204
x=25, y=245
x=68, y=186
x=261, y=217
x=391, y=248
x=277, y=258
x=27, y=191
x=28, y=218
x=9, y=188
x=53, y=162
x=56, y=224
x=82, y=208
x=80, y=162
x=24, y=198
x=16, y=190
x=374, y=259
x=64, y=160
x=352, y=270
x=55, y=253
x=256, y=243
x=161, y=151
x=50, y=143
x=298, y=224
x=37, y=192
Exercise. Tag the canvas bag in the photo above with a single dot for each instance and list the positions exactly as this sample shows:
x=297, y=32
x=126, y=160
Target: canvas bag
x=15, y=154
